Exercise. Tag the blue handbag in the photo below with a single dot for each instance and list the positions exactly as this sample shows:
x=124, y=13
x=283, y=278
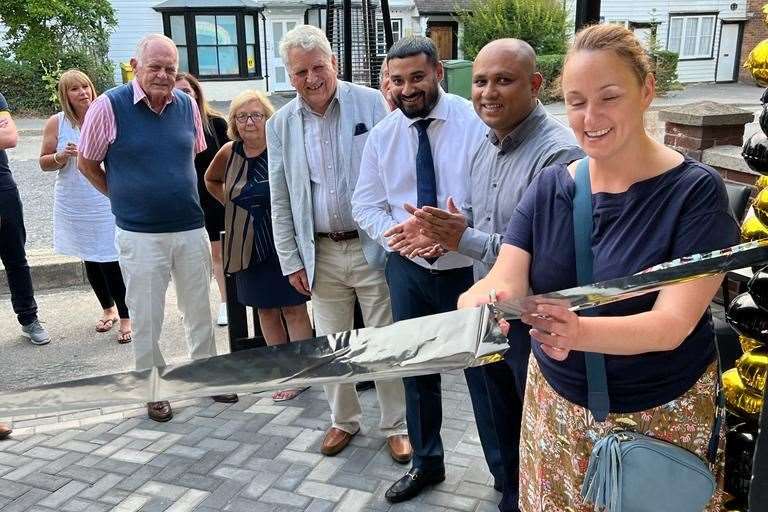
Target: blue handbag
x=628, y=471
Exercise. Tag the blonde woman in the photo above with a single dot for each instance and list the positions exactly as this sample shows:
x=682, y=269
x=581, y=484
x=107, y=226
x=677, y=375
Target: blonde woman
x=83, y=224
x=238, y=178
x=215, y=128
x=649, y=204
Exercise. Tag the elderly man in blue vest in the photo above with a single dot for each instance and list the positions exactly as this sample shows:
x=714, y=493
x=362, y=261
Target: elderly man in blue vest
x=314, y=145
x=147, y=135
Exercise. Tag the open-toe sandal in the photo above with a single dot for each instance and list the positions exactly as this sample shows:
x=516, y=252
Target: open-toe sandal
x=124, y=337
x=106, y=324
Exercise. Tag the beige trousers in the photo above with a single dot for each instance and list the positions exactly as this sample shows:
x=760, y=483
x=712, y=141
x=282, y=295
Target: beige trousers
x=341, y=274
x=148, y=261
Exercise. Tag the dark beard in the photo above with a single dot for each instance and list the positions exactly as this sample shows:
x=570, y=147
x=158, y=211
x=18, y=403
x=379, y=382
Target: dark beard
x=430, y=100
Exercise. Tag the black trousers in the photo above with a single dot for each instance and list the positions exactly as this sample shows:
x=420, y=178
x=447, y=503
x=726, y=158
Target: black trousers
x=13, y=236
x=505, y=382
x=107, y=283
x=415, y=292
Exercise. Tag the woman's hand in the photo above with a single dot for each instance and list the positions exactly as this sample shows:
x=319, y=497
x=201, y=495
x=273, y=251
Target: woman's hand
x=473, y=298
x=68, y=152
x=556, y=328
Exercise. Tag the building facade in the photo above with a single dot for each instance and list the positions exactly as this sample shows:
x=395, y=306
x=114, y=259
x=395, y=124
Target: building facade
x=706, y=34
x=232, y=45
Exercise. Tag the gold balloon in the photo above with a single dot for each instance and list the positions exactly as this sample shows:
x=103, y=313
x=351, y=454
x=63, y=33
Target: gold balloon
x=757, y=62
x=752, y=229
x=761, y=183
x=760, y=206
x=740, y=399
x=753, y=368
x=748, y=344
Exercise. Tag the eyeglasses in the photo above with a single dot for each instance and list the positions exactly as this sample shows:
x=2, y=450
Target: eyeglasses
x=253, y=116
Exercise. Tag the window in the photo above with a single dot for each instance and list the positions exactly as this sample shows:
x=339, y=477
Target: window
x=691, y=37
x=397, y=33
x=216, y=44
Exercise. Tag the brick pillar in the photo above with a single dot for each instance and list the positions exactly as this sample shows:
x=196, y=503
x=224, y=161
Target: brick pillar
x=695, y=127
x=755, y=30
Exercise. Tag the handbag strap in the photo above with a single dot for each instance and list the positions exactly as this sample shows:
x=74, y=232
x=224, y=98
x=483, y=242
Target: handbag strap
x=598, y=401
x=714, y=438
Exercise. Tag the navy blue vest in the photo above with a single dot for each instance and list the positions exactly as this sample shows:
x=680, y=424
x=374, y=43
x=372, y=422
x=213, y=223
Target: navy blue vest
x=151, y=165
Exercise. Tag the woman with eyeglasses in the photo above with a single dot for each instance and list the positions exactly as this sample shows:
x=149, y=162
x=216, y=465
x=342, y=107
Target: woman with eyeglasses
x=238, y=178
x=215, y=128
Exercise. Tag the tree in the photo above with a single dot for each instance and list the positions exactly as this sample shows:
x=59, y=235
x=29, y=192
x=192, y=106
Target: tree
x=45, y=30
x=541, y=23
x=45, y=37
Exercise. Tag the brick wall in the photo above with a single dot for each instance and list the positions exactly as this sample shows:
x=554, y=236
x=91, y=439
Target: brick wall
x=755, y=30
x=692, y=140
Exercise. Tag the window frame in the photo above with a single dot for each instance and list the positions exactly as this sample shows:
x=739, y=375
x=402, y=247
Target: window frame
x=685, y=16
x=190, y=32
x=399, y=33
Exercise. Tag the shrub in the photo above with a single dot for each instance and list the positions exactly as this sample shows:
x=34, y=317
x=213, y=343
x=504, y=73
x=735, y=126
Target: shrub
x=31, y=89
x=541, y=23
x=550, y=67
x=45, y=37
x=19, y=84
x=665, y=69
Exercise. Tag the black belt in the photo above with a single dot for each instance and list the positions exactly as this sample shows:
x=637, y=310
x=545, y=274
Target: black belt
x=340, y=236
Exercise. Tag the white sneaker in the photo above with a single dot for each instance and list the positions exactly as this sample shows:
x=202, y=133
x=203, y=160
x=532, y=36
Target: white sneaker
x=222, y=319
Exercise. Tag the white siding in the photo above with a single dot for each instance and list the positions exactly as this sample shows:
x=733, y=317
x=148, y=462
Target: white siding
x=645, y=11
x=135, y=19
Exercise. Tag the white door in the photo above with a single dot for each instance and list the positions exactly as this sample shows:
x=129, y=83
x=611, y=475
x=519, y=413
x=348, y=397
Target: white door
x=278, y=73
x=729, y=49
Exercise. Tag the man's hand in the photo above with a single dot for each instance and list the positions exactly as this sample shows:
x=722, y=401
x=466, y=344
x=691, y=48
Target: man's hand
x=299, y=281
x=444, y=227
x=406, y=238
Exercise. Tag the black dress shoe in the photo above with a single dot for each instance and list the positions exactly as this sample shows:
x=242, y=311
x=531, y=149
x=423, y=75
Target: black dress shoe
x=365, y=385
x=229, y=398
x=412, y=484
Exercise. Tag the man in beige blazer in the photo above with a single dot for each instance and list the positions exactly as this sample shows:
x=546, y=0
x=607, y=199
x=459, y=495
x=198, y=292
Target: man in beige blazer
x=314, y=144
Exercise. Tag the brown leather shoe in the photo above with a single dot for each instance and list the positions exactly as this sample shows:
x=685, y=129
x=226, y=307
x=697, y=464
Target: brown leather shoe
x=400, y=448
x=159, y=411
x=5, y=431
x=335, y=440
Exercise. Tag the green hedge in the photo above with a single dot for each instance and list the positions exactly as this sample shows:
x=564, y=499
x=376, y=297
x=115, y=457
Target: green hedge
x=665, y=64
x=541, y=23
x=24, y=86
x=550, y=67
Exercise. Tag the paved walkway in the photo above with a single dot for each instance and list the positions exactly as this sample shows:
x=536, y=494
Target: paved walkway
x=251, y=456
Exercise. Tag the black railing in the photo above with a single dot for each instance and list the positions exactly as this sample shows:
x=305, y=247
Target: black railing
x=237, y=315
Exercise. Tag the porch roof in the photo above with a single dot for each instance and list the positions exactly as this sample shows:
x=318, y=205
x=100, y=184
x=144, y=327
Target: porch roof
x=182, y=4
x=442, y=6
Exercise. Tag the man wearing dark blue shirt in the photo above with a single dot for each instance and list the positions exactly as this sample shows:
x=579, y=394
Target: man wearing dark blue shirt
x=522, y=139
x=13, y=236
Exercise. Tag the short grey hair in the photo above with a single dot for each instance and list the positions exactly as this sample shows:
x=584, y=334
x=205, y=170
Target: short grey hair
x=307, y=38
x=149, y=39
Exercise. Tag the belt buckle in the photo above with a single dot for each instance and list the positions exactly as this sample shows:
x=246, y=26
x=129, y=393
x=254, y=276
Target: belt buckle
x=335, y=236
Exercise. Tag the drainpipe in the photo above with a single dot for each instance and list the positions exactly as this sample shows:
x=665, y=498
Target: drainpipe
x=264, y=38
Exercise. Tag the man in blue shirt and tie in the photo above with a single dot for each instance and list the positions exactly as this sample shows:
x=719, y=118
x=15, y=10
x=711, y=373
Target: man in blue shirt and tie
x=418, y=156
x=522, y=139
